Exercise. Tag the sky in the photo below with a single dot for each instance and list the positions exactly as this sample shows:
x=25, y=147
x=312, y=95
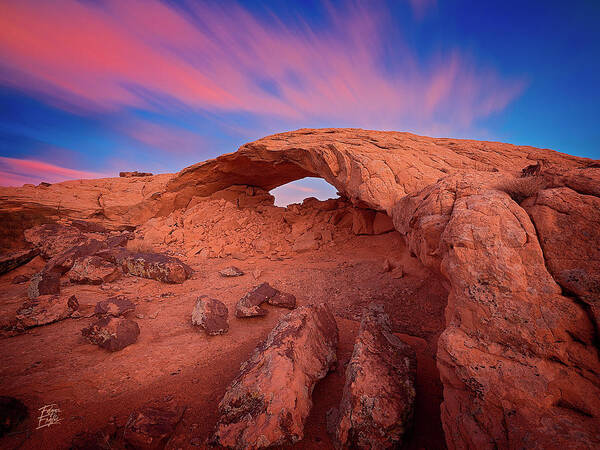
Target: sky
x=89, y=88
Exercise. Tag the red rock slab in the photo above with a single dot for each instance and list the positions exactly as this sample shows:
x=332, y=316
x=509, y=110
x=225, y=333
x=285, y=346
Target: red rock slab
x=115, y=306
x=44, y=283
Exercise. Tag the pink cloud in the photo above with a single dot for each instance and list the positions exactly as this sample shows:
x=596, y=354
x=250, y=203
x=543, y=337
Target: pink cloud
x=219, y=58
x=16, y=172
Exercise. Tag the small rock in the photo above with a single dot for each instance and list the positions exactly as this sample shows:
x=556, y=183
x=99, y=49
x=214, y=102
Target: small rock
x=153, y=315
x=256, y=274
x=387, y=265
x=140, y=316
x=112, y=333
x=151, y=427
x=12, y=413
x=115, y=306
x=46, y=309
x=231, y=271
x=211, y=315
x=283, y=300
x=44, y=283
x=249, y=304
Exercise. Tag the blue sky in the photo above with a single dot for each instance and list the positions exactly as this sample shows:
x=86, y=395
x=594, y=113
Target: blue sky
x=90, y=88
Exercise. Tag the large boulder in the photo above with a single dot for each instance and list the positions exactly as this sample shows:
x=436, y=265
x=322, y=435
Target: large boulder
x=112, y=333
x=211, y=315
x=44, y=283
x=377, y=404
x=249, y=304
x=268, y=402
x=93, y=270
x=46, y=309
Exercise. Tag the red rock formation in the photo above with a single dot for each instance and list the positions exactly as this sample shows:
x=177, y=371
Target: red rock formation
x=269, y=401
x=518, y=359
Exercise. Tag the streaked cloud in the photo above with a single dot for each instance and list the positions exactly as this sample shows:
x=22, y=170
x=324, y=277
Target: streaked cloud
x=16, y=172
x=117, y=54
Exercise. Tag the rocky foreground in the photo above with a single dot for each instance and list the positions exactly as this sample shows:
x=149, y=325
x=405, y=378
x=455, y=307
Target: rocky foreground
x=133, y=302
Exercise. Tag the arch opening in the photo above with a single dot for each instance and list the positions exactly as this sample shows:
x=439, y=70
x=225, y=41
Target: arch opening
x=298, y=190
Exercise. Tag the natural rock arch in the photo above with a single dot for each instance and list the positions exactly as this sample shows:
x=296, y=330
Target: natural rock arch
x=518, y=360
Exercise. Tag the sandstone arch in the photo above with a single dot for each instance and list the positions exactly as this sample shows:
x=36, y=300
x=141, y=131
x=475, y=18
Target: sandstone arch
x=518, y=359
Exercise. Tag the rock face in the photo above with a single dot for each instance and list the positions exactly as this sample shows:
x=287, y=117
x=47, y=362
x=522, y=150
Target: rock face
x=112, y=333
x=379, y=395
x=249, y=304
x=268, y=402
x=515, y=351
x=211, y=315
x=568, y=226
x=150, y=427
x=46, y=309
x=93, y=270
x=44, y=283
x=13, y=260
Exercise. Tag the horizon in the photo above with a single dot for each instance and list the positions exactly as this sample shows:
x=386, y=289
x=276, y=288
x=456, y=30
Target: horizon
x=160, y=85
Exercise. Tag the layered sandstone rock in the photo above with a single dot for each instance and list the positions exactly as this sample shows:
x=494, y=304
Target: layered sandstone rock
x=268, y=402
x=568, y=226
x=377, y=405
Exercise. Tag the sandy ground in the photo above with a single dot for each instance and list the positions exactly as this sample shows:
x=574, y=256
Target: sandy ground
x=174, y=363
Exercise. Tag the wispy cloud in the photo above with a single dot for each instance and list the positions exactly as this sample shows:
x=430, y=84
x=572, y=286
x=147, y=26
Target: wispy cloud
x=220, y=57
x=15, y=172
